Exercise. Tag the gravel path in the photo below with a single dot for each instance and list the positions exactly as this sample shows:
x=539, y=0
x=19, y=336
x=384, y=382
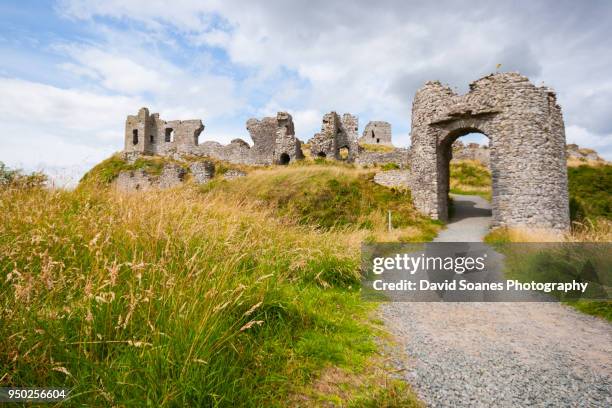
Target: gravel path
x=500, y=354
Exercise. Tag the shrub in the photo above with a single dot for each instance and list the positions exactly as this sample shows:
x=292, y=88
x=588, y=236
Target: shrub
x=15, y=178
x=590, y=190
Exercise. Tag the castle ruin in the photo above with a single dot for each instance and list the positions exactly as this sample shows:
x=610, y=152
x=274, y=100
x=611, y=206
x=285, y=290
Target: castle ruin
x=527, y=148
x=377, y=133
x=337, y=139
x=274, y=140
x=523, y=122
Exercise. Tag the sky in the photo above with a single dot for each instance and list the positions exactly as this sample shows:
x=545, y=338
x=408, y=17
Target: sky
x=71, y=71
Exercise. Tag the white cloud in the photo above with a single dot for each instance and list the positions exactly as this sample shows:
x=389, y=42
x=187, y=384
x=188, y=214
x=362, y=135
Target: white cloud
x=78, y=114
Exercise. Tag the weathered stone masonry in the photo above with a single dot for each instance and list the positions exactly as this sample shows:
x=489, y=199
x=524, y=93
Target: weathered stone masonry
x=527, y=148
x=377, y=133
x=148, y=134
x=336, y=134
x=274, y=140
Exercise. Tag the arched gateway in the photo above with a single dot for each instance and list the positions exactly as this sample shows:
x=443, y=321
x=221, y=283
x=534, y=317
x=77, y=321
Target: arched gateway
x=527, y=148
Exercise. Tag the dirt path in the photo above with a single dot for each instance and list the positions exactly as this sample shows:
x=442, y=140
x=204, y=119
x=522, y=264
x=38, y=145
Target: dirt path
x=500, y=354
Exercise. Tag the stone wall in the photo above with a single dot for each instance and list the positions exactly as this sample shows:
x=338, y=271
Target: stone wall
x=202, y=172
x=399, y=156
x=575, y=154
x=172, y=175
x=274, y=140
x=527, y=148
x=287, y=147
x=393, y=178
x=148, y=134
x=471, y=151
x=377, y=133
x=336, y=134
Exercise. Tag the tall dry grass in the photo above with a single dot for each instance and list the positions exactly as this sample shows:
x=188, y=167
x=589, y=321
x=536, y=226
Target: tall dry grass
x=170, y=298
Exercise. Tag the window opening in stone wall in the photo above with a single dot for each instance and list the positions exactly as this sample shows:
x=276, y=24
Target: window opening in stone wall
x=135, y=136
x=169, y=135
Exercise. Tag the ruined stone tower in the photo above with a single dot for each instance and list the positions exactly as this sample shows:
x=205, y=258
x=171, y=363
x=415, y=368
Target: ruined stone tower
x=377, y=133
x=274, y=140
x=336, y=134
x=148, y=134
x=527, y=148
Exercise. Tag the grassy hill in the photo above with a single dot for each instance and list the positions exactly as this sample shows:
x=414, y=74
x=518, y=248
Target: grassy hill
x=242, y=292
x=470, y=177
x=590, y=189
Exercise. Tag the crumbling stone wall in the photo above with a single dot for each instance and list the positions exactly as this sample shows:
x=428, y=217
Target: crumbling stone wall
x=233, y=174
x=377, y=133
x=573, y=151
x=172, y=175
x=274, y=140
x=202, y=172
x=148, y=134
x=399, y=156
x=336, y=134
x=471, y=151
x=527, y=148
x=393, y=178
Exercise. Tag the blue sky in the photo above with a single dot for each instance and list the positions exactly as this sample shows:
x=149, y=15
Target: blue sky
x=72, y=70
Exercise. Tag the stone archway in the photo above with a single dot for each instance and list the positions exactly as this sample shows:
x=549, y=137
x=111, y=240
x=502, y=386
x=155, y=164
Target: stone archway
x=527, y=148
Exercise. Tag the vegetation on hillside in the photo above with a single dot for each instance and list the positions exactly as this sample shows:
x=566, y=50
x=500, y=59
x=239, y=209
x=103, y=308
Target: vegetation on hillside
x=470, y=177
x=15, y=178
x=590, y=189
x=171, y=298
x=243, y=292
x=376, y=148
x=328, y=196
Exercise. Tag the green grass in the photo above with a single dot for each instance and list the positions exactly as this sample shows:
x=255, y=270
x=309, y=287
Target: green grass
x=377, y=148
x=471, y=178
x=389, y=166
x=108, y=170
x=327, y=197
x=590, y=189
x=190, y=298
x=562, y=262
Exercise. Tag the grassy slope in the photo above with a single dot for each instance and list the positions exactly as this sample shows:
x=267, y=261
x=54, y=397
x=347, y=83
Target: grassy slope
x=189, y=297
x=470, y=177
x=590, y=191
x=328, y=196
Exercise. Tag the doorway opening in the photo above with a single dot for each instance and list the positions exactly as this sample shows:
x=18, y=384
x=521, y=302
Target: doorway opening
x=284, y=159
x=343, y=153
x=465, y=174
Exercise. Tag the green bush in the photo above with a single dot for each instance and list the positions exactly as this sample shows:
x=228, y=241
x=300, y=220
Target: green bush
x=590, y=190
x=16, y=178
